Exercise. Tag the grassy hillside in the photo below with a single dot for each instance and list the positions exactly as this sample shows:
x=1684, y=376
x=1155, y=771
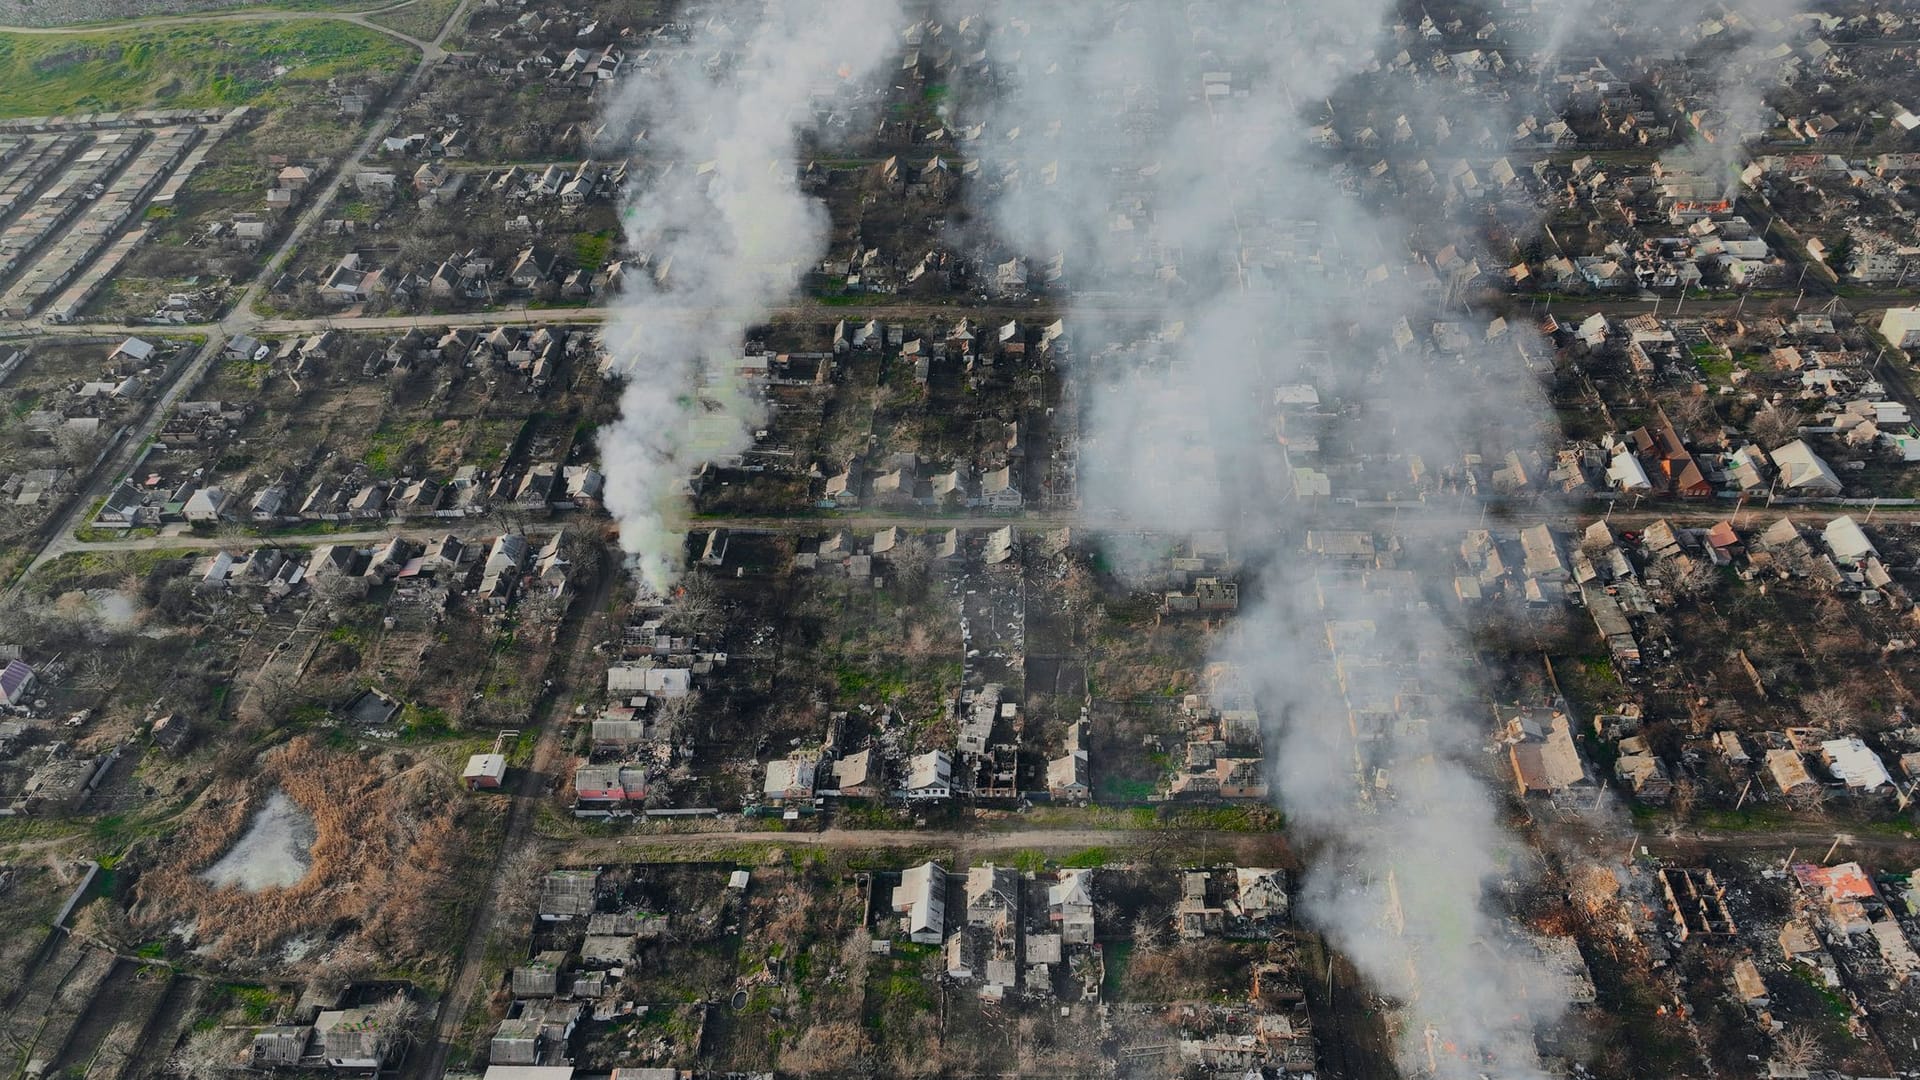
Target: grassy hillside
x=244, y=63
x=83, y=12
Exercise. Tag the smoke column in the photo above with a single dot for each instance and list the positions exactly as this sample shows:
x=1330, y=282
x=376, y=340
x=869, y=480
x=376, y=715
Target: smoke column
x=1167, y=157
x=721, y=234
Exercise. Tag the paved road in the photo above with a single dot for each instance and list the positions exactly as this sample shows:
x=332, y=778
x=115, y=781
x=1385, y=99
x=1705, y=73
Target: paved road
x=242, y=320
x=570, y=667
x=1427, y=522
x=619, y=848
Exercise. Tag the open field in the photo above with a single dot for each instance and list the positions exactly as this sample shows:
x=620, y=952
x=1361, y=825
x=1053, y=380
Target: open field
x=50, y=13
x=259, y=64
x=422, y=18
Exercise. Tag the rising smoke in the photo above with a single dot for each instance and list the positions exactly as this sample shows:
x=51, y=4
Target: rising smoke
x=1167, y=157
x=1169, y=161
x=720, y=232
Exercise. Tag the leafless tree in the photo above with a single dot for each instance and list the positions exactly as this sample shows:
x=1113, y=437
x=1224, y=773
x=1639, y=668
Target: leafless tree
x=205, y=1053
x=1146, y=934
x=1686, y=579
x=911, y=558
x=337, y=972
x=1595, y=547
x=1689, y=410
x=520, y=874
x=1799, y=1049
x=76, y=446
x=1685, y=794
x=1829, y=708
x=341, y=589
x=697, y=606
x=1773, y=427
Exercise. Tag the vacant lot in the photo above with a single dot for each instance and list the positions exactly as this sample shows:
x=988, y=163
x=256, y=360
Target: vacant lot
x=79, y=13
x=264, y=63
x=422, y=18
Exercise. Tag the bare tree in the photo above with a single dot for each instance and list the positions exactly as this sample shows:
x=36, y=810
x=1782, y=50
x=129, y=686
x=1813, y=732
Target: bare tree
x=1689, y=410
x=337, y=972
x=276, y=692
x=1686, y=579
x=338, y=589
x=520, y=874
x=1146, y=934
x=1829, y=708
x=1773, y=427
x=205, y=1053
x=76, y=446
x=697, y=606
x=911, y=558
x=1799, y=1049
x=670, y=713
x=1685, y=794
x=397, y=1018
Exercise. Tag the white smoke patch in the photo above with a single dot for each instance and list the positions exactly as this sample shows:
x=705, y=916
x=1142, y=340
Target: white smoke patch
x=1737, y=49
x=720, y=232
x=1215, y=257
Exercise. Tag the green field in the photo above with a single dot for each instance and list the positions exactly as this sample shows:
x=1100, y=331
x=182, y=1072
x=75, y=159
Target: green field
x=186, y=66
x=104, y=13
x=422, y=18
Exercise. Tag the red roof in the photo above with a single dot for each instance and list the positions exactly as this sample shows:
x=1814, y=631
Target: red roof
x=1844, y=882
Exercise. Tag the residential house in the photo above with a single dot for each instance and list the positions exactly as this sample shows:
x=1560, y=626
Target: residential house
x=929, y=776
x=531, y=267
x=206, y=506
x=1068, y=777
x=1789, y=773
x=1070, y=906
x=1852, y=762
x=1666, y=460
x=921, y=901
x=16, y=683
x=1803, y=472
x=1543, y=754
x=857, y=775
x=997, y=491
x=790, y=779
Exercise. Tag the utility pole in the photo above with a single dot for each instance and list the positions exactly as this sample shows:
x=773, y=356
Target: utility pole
x=1837, y=838
x=1743, y=795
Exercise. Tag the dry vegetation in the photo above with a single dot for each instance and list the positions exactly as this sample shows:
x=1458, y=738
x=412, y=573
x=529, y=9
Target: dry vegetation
x=384, y=859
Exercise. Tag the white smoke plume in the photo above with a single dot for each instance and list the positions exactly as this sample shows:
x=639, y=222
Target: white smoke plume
x=721, y=234
x=1167, y=156
x=1739, y=50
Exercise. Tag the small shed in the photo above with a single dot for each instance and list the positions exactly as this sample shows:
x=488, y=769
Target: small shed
x=484, y=771
x=281, y=1045
x=515, y=1042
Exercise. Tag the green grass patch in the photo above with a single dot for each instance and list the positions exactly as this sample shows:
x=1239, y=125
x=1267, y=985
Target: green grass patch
x=1087, y=859
x=1118, y=789
x=590, y=249
x=187, y=66
x=419, y=723
x=1113, y=981
x=1749, y=818
x=421, y=19
x=1835, y=1003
